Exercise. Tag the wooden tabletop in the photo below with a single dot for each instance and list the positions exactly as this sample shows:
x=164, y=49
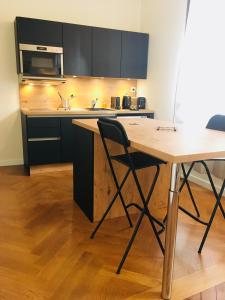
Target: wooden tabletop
x=183, y=145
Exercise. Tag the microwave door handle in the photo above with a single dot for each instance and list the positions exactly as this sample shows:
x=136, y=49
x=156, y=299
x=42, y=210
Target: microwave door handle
x=61, y=63
x=21, y=62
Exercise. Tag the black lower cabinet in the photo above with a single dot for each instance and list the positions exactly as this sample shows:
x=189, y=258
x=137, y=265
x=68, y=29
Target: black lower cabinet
x=53, y=139
x=43, y=136
x=83, y=169
x=44, y=151
x=67, y=144
x=43, y=127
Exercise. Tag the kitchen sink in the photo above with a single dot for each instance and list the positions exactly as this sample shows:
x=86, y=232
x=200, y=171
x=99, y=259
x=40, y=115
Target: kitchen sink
x=77, y=109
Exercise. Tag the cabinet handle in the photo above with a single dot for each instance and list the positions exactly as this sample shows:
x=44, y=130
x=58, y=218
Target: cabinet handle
x=44, y=139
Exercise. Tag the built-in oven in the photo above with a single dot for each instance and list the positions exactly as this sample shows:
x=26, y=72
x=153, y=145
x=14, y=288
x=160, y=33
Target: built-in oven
x=41, y=61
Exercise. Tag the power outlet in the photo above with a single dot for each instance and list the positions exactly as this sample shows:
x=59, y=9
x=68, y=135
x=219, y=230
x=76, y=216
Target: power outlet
x=133, y=89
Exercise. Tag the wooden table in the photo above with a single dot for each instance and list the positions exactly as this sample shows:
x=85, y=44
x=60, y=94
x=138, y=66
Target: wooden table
x=174, y=147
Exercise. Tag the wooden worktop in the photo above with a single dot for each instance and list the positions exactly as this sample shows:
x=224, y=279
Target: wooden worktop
x=80, y=111
x=183, y=145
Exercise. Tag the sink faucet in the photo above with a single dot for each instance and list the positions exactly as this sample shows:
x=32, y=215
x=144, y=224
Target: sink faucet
x=94, y=102
x=65, y=102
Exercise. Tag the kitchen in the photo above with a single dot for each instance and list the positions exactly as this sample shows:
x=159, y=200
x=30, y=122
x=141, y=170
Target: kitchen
x=112, y=74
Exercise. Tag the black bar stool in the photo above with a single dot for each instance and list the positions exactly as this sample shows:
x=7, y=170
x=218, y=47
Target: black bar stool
x=113, y=130
x=217, y=122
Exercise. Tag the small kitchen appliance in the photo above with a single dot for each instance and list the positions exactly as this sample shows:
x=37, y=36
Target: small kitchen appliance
x=38, y=61
x=115, y=102
x=141, y=102
x=134, y=105
x=126, y=102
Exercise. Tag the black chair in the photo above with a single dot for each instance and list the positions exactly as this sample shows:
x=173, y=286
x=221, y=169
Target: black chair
x=217, y=122
x=113, y=130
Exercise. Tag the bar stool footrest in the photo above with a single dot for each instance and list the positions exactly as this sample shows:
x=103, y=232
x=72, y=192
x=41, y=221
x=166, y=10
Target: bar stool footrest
x=193, y=216
x=153, y=218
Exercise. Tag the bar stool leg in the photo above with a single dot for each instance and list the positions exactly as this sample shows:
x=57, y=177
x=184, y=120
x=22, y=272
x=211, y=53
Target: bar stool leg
x=212, y=218
x=213, y=187
x=130, y=243
x=145, y=211
x=118, y=188
x=110, y=205
x=116, y=181
x=189, y=189
x=146, y=202
x=187, y=175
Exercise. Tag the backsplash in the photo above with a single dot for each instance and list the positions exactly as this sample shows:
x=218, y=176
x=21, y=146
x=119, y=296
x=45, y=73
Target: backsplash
x=84, y=90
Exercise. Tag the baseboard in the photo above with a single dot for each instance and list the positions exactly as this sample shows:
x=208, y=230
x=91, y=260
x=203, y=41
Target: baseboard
x=11, y=162
x=42, y=169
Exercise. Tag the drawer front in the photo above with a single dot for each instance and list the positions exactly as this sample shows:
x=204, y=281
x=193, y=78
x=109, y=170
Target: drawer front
x=43, y=127
x=44, y=151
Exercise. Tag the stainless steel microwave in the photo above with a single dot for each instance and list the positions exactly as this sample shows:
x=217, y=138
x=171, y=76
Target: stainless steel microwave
x=41, y=61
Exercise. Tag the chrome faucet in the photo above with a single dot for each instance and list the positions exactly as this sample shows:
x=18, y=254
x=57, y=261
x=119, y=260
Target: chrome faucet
x=65, y=103
x=94, y=102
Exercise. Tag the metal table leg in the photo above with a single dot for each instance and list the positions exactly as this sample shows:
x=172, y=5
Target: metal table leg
x=171, y=230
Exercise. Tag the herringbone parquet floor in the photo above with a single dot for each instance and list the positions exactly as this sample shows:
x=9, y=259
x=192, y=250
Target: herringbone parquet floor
x=46, y=253
x=217, y=292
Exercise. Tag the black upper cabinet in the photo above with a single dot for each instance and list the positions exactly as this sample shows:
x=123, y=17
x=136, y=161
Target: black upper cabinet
x=106, y=52
x=77, y=49
x=89, y=51
x=39, y=32
x=134, y=55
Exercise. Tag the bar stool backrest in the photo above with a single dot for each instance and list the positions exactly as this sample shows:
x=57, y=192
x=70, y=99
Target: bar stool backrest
x=113, y=130
x=217, y=122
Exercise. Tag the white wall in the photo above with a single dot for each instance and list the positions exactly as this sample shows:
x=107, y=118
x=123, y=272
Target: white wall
x=119, y=14
x=164, y=21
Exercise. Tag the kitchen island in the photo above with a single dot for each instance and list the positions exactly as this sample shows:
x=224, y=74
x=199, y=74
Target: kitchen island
x=93, y=182
x=173, y=146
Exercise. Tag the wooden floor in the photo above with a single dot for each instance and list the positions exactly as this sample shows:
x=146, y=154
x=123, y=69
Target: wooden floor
x=46, y=253
x=217, y=292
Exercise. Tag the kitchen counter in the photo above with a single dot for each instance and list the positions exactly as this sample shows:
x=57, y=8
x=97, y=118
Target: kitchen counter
x=82, y=111
x=48, y=134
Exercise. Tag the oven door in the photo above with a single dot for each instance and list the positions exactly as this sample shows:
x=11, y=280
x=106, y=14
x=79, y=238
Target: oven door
x=43, y=63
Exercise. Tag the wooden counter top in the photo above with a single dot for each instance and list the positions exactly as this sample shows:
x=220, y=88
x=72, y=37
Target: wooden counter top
x=77, y=111
x=183, y=145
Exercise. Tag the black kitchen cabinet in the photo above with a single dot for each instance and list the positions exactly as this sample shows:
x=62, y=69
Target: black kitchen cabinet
x=106, y=53
x=134, y=58
x=38, y=32
x=77, y=50
x=41, y=127
x=44, y=151
x=43, y=140
x=67, y=138
x=83, y=167
x=52, y=139
x=88, y=51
